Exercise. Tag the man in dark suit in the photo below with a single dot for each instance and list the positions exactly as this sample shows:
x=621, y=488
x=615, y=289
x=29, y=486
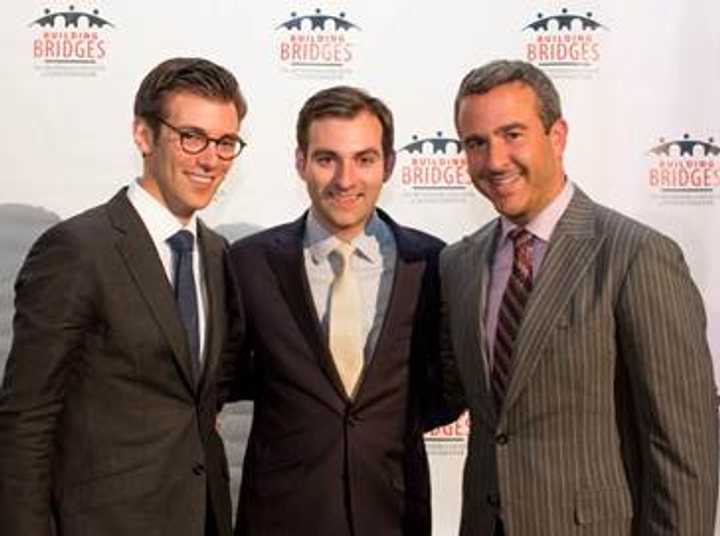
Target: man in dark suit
x=341, y=308
x=108, y=405
x=579, y=339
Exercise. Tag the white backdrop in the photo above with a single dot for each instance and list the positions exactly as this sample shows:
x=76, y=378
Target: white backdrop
x=639, y=80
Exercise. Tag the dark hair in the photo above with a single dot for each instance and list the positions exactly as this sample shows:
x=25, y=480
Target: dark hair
x=496, y=73
x=346, y=102
x=194, y=75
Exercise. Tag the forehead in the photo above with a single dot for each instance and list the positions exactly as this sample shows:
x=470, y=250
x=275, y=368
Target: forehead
x=514, y=102
x=341, y=134
x=185, y=109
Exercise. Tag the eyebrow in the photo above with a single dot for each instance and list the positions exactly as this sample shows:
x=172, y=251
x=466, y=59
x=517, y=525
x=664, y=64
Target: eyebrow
x=190, y=128
x=512, y=126
x=331, y=152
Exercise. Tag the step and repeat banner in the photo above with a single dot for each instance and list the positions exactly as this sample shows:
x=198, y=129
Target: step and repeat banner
x=640, y=83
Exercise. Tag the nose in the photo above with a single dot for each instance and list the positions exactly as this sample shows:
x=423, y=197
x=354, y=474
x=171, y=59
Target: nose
x=208, y=158
x=344, y=175
x=498, y=156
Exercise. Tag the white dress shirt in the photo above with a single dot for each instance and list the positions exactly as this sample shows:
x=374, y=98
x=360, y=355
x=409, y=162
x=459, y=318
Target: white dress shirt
x=373, y=261
x=161, y=224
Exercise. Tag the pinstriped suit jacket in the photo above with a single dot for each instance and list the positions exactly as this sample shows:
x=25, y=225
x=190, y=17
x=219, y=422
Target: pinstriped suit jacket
x=609, y=426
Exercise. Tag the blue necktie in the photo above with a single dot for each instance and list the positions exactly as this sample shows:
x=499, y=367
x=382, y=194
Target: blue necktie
x=185, y=293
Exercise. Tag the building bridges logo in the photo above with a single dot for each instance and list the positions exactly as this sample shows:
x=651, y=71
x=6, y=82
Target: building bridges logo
x=433, y=169
x=317, y=45
x=450, y=439
x=566, y=45
x=685, y=170
x=70, y=42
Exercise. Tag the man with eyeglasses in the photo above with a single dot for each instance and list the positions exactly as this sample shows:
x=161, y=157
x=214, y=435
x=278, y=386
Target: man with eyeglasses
x=108, y=404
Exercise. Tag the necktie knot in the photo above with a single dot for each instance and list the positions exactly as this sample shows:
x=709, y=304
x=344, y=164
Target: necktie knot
x=344, y=252
x=520, y=237
x=182, y=241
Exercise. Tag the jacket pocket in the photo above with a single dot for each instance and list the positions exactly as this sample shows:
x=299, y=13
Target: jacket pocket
x=594, y=506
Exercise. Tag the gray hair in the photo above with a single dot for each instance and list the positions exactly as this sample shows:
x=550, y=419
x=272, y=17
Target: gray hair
x=496, y=73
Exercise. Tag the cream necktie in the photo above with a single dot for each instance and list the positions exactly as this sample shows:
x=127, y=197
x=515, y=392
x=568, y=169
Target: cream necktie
x=345, y=325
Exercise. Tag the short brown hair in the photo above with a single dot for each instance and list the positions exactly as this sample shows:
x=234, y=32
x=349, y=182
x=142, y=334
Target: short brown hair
x=194, y=75
x=346, y=102
x=496, y=73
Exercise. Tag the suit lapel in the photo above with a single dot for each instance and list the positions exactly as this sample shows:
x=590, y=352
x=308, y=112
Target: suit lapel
x=142, y=262
x=571, y=250
x=408, y=272
x=287, y=261
x=211, y=248
x=477, y=259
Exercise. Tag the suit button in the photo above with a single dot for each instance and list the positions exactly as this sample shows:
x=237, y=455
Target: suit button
x=501, y=439
x=493, y=499
x=199, y=469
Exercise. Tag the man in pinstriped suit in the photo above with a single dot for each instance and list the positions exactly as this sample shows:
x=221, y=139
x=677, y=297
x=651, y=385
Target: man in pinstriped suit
x=608, y=422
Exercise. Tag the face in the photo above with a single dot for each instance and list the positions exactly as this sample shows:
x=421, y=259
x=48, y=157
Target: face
x=344, y=170
x=185, y=182
x=511, y=159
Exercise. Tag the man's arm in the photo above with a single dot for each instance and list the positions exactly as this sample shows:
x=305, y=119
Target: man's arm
x=451, y=393
x=661, y=335
x=52, y=309
x=236, y=376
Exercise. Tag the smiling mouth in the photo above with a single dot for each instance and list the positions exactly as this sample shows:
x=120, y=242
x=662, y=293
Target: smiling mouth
x=197, y=178
x=344, y=199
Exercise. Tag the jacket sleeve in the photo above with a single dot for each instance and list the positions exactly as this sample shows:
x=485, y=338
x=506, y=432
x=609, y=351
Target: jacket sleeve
x=661, y=335
x=236, y=378
x=52, y=308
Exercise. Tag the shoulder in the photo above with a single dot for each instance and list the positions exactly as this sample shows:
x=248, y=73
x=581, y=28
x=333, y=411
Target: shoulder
x=83, y=232
x=421, y=241
x=279, y=236
x=469, y=242
x=625, y=232
x=410, y=239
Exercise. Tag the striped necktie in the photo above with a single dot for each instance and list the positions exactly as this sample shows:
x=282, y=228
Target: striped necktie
x=511, y=311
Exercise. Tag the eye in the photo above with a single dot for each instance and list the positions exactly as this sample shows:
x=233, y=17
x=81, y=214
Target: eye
x=473, y=144
x=514, y=135
x=228, y=144
x=323, y=160
x=191, y=138
x=368, y=159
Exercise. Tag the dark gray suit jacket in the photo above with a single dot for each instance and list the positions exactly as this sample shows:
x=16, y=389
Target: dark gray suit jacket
x=610, y=422
x=102, y=426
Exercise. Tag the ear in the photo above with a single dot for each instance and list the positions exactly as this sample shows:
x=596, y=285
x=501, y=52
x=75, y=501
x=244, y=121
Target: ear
x=558, y=137
x=300, y=162
x=143, y=136
x=389, y=166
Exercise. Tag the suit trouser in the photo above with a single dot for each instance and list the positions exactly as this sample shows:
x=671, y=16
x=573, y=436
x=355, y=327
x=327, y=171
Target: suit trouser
x=499, y=529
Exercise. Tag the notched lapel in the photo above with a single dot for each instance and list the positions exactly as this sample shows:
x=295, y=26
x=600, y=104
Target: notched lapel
x=474, y=267
x=142, y=262
x=570, y=253
x=287, y=263
x=211, y=249
x=405, y=291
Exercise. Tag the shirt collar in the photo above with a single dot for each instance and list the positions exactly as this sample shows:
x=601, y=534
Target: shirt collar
x=159, y=221
x=542, y=225
x=321, y=242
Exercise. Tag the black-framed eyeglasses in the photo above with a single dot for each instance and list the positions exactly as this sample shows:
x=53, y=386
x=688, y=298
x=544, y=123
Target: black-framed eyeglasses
x=195, y=141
